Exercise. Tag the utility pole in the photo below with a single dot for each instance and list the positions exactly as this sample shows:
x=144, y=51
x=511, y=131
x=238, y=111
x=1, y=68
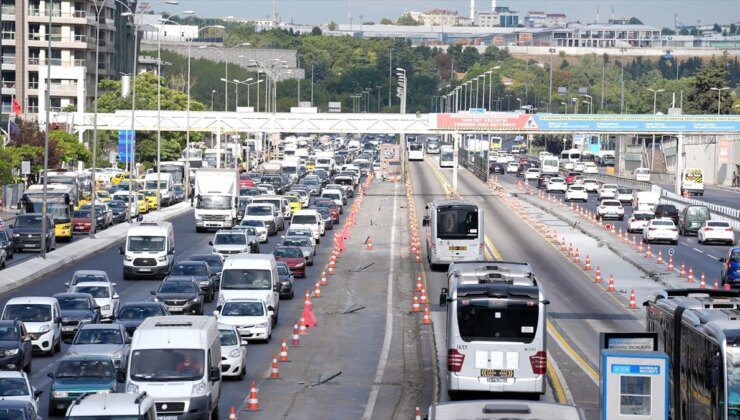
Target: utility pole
x=390, y=76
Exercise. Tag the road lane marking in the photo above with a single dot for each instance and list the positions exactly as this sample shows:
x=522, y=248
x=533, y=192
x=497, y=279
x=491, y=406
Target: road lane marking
x=698, y=250
x=572, y=353
x=562, y=392
x=373, y=397
x=712, y=256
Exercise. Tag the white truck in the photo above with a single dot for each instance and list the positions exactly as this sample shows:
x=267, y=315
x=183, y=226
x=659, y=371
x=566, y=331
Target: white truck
x=216, y=195
x=325, y=160
x=645, y=200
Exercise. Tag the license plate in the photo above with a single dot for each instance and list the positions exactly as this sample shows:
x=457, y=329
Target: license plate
x=458, y=248
x=145, y=270
x=502, y=375
x=68, y=329
x=166, y=417
x=31, y=245
x=175, y=309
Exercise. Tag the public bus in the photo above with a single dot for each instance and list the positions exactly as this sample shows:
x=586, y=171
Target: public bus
x=496, y=143
x=70, y=179
x=59, y=206
x=446, y=156
x=416, y=152
x=432, y=144
x=699, y=330
x=496, y=309
x=454, y=231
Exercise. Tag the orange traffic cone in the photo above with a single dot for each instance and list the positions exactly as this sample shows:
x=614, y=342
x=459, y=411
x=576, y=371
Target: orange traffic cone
x=330, y=271
x=598, y=278
x=369, y=244
x=660, y=258
x=716, y=284
x=640, y=249
x=423, y=299
x=232, y=413
x=702, y=283
x=253, y=403
x=690, y=279
x=682, y=271
x=302, y=327
x=587, y=267
x=419, y=284
x=295, y=340
x=611, y=284
x=578, y=257
x=317, y=290
x=648, y=254
x=633, y=301
x=570, y=250
x=284, y=351
x=418, y=414
x=415, y=307
x=562, y=244
x=323, y=278
x=670, y=263
x=274, y=373
x=427, y=316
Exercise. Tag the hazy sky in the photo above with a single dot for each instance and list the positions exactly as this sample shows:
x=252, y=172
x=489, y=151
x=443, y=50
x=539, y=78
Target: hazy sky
x=653, y=12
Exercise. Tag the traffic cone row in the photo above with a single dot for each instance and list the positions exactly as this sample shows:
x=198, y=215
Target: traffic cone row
x=597, y=278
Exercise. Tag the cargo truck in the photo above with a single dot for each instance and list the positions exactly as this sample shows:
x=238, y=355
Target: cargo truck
x=216, y=195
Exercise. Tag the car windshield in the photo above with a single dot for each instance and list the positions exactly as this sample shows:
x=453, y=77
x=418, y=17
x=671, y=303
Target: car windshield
x=288, y=253
x=178, y=287
x=242, y=309
x=81, y=214
x=252, y=222
x=228, y=337
x=117, y=204
x=214, y=202
x=457, y=223
x=73, y=303
x=246, y=279
x=259, y=211
x=28, y=312
x=139, y=312
x=295, y=242
x=625, y=190
x=85, y=369
x=212, y=261
x=86, y=278
x=167, y=364
x=230, y=239
x=152, y=185
x=98, y=292
x=303, y=219
x=146, y=243
x=182, y=269
x=13, y=387
x=9, y=332
x=28, y=221
x=99, y=336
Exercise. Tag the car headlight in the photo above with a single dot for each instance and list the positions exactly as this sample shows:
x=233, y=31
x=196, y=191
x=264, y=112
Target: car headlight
x=15, y=235
x=104, y=391
x=199, y=388
x=203, y=283
x=162, y=259
x=156, y=299
x=234, y=353
x=132, y=389
x=262, y=325
x=128, y=258
x=59, y=394
x=117, y=354
x=106, y=308
x=11, y=352
x=44, y=329
x=85, y=320
x=198, y=217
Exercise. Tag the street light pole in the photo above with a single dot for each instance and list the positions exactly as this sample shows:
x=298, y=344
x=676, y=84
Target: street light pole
x=551, y=51
x=621, y=103
x=655, y=111
x=719, y=98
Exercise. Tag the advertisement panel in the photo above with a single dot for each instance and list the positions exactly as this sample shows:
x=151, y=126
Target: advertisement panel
x=639, y=123
x=489, y=121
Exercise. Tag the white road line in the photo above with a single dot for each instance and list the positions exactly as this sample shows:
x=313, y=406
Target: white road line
x=698, y=250
x=373, y=397
x=712, y=256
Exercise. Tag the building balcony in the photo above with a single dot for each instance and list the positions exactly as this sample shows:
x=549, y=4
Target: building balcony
x=8, y=35
x=7, y=10
x=33, y=109
x=8, y=59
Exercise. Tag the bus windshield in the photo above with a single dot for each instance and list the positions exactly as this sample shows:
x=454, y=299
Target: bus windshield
x=733, y=380
x=497, y=320
x=457, y=223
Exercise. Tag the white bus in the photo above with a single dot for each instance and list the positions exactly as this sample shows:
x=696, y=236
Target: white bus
x=549, y=165
x=454, y=230
x=432, y=145
x=496, y=320
x=446, y=156
x=416, y=151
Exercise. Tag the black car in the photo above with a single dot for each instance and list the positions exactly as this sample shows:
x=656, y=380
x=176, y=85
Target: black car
x=214, y=261
x=178, y=193
x=542, y=180
x=15, y=346
x=286, y=281
x=6, y=243
x=276, y=181
x=76, y=310
x=198, y=271
x=132, y=314
x=668, y=211
x=243, y=201
x=119, y=209
x=180, y=296
x=27, y=232
x=497, y=168
x=326, y=217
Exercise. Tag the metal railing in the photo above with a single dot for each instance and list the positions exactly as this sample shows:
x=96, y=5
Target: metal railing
x=730, y=212
x=8, y=35
x=7, y=10
x=8, y=59
x=476, y=163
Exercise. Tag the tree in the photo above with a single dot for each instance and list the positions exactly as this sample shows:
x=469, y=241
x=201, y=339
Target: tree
x=635, y=21
x=406, y=20
x=316, y=31
x=69, y=147
x=386, y=21
x=332, y=26
x=667, y=31
x=701, y=98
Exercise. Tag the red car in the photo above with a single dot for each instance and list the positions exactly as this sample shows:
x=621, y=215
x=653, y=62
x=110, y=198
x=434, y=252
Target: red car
x=293, y=256
x=332, y=206
x=80, y=221
x=572, y=177
x=245, y=181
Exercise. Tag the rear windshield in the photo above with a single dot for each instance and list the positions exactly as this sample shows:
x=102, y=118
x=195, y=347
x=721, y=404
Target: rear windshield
x=457, y=223
x=718, y=224
x=497, y=320
x=644, y=216
x=663, y=223
x=698, y=212
x=303, y=220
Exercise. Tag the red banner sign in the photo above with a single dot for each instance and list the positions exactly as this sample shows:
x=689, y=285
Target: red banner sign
x=489, y=121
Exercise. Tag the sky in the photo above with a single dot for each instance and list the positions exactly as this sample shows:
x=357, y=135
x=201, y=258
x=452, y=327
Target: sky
x=652, y=12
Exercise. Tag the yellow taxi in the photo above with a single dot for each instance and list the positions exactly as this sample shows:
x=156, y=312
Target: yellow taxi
x=117, y=178
x=151, y=198
x=295, y=202
x=103, y=196
x=310, y=164
x=142, y=202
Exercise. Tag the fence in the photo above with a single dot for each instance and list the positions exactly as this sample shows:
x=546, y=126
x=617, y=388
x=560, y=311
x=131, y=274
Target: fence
x=477, y=163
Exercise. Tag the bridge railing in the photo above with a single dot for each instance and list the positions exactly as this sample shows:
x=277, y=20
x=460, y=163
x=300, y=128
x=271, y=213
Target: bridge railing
x=477, y=163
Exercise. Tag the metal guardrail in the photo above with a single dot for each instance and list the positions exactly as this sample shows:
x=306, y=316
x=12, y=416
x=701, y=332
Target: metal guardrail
x=715, y=208
x=474, y=162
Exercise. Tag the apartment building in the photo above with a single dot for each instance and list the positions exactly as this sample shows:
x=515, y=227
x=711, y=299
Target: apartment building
x=25, y=36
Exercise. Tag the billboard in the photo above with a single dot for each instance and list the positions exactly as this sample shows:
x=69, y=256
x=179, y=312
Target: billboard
x=125, y=138
x=489, y=121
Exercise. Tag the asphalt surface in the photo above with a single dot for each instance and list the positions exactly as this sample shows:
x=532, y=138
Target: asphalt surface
x=578, y=311
x=188, y=243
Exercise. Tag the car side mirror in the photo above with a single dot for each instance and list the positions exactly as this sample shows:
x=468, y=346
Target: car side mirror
x=214, y=374
x=152, y=292
x=271, y=313
x=443, y=297
x=37, y=393
x=58, y=320
x=425, y=221
x=722, y=260
x=120, y=376
x=11, y=226
x=50, y=374
x=120, y=250
x=27, y=338
x=215, y=313
x=210, y=243
x=276, y=288
x=115, y=296
x=66, y=284
x=128, y=340
x=172, y=251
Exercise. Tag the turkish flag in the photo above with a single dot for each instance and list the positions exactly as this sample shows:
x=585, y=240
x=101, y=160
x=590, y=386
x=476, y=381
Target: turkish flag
x=16, y=107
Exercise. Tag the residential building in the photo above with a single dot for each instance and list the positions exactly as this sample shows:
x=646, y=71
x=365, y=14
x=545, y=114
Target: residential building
x=73, y=43
x=500, y=16
x=607, y=36
x=555, y=20
x=436, y=17
x=535, y=19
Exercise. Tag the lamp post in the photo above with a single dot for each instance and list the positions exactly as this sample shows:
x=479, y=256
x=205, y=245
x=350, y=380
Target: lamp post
x=655, y=111
x=719, y=98
x=250, y=84
x=621, y=103
x=552, y=52
x=401, y=93
x=566, y=106
x=547, y=105
x=213, y=92
x=490, y=85
x=590, y=102
x=226, y=75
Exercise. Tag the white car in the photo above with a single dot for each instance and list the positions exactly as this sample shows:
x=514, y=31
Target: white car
x=335, y=195
x=608, y=191
x=660, y=230
x=230, y=242
x=610, y=208
x=624, y=195
x=576, y=193
x=251, y=317
x=15, y=386
x=590, y=184
x=42, y=318
x=568, y=165
x=233, y=351
x=512, y=167
x=579, y=167
x=639, y=219
x=556, y=184
x=259, y=226
x=532, y=173
x=301, y=231
x=105, y=296
x=642, y=174
x=590, y=168
x=124, y=196
x=716, y=231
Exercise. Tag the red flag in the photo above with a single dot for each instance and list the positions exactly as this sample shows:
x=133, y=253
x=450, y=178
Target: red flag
x=16, y=107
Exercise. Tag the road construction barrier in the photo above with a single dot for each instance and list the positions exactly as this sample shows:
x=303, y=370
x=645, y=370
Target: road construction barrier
x=274, y=372
x=284, y=351
x=253, y=401
x=611, y=284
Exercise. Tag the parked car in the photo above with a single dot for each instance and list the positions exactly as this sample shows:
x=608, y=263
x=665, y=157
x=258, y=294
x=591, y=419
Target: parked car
x=716, y=231
x=660, y=230
x=77, y=310
x=17, y=351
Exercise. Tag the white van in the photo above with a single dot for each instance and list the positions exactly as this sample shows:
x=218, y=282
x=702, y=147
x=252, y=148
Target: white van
x=166, y=186
x=42, y=318
x=692, y=181
x=113, y=406
x=177, y=361
x=310, y=219
x=642, y=174
x=252, y=276
x=149, y=250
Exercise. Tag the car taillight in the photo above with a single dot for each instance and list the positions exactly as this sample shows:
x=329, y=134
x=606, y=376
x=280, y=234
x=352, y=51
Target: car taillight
x=455, y=360
x=539, y=363
x=652, y=228
x=707, y=228
x=674, y=229
x=728, y=229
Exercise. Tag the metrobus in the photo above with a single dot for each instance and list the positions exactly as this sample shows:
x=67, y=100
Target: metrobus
x=496, y=143
x=432, y=144
x=416, y=152
x=454, y=231
x=59, y=206
x=446, y=156
x=496, y=309
x=699, y=330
